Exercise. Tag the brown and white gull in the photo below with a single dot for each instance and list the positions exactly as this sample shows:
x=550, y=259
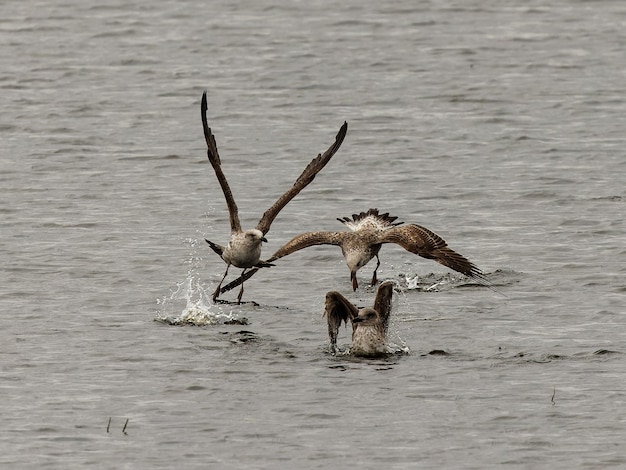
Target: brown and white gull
x=244, y=248
x=368, y=232
x=369, y=325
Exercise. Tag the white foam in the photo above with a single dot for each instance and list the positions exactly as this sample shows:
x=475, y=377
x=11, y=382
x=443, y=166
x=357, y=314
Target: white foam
x=198, y=308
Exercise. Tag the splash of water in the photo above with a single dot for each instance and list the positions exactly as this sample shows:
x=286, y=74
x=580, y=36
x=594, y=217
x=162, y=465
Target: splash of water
x=197, y=306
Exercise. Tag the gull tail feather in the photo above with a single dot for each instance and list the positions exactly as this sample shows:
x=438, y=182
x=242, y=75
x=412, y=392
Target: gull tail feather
x=219, y=249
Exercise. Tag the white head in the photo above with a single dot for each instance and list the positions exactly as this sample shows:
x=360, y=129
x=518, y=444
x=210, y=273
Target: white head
x=254, y=237
x=355, y=260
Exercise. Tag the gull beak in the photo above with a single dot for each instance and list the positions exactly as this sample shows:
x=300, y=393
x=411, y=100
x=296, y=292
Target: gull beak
x=357, y=320
x=263, y=239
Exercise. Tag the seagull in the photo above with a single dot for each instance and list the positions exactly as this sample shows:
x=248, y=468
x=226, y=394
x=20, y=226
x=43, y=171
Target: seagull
x=244, y=248
x=369, y=325
x=368, y=232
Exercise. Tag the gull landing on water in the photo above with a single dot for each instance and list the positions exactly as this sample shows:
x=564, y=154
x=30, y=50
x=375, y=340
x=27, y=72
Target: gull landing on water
x=244, y=248
x=369, y=325
x=368, y=232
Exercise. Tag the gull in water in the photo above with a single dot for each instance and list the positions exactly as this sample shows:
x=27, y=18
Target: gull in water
x=369, y=325
x=368, y=232
x=244, y=248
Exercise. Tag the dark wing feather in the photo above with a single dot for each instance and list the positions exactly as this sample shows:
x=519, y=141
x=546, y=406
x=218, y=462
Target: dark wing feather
x=427, y=244
x=214, y=158
x=298, y=242
x=307, y=239
x=382, y=304
x=219, y=249
x=338, y=309
x=241, y=279
x=307, y=176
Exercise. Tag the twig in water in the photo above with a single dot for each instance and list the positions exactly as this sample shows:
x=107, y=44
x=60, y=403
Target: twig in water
x=553, y=395
x=125, y=424
x=109, y=425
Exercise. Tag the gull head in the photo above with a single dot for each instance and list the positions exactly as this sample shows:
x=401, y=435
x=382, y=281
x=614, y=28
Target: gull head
x=254, y=236
x=367, y=317
x=355, y=261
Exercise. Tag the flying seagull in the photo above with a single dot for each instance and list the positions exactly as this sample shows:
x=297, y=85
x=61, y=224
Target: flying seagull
x=244, y=248
x=368, y=231
x=369, y=325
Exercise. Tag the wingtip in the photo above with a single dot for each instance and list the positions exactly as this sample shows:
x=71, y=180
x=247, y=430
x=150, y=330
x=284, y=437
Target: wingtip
x=343, y=130
x=481, y=278
x=212, y=153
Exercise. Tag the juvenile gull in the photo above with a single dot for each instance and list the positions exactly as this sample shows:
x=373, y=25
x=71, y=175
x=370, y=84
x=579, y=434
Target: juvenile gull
x=368, y=231
x=369, y=325
x=244, y=248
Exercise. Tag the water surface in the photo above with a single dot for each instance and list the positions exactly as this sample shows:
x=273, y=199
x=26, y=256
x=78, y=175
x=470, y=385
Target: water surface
x=498, y=125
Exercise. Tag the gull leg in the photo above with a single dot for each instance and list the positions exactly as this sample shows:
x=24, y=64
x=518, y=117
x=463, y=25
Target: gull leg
x=374, y=278
x=217, y=291
x=241, y=290
x=355, y=283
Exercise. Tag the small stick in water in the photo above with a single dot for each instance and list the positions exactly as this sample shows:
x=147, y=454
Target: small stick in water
x=108, y=425
x=553, y=395
x=125, y=424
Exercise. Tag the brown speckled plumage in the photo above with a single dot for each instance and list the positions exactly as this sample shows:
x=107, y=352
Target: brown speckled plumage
x=244, y=247
x=368, y=232
x=369, y=325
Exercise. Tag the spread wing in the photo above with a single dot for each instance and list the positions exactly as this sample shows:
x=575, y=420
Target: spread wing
x=338, y=309
x=427, y=244
x=298, y=242
x=382, y=304
x=307, y=176
x=214, y=158
x=307, y=239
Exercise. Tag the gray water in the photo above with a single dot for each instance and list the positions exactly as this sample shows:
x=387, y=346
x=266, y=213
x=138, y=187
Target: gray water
x=497, y=124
